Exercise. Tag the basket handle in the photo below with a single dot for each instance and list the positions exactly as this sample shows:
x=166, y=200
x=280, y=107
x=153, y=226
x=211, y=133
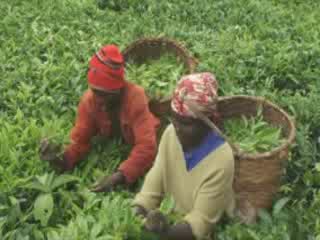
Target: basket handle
x=193, y=107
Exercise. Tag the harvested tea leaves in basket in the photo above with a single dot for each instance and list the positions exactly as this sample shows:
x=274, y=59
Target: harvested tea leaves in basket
x=254, y=134
x=157, y=77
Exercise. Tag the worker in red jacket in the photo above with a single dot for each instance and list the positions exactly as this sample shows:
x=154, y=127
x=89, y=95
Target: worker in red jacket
x=110, y=107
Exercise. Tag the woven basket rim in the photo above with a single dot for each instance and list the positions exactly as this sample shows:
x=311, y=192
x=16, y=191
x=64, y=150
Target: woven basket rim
x=144, y=40
x=289, y=139
x=186, y=57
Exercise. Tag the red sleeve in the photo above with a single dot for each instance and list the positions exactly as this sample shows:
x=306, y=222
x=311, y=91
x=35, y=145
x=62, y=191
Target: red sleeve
x=81, y=134
x=144, y=127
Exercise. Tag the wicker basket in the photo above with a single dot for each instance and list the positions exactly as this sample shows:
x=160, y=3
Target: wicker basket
x=257, y=176
x=152, y=48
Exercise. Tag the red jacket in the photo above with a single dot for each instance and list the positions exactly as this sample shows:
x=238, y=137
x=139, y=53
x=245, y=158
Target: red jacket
x=138, y=128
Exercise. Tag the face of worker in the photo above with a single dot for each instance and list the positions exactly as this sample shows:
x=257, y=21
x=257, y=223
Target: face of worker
x=190, y=131
x=110, y=99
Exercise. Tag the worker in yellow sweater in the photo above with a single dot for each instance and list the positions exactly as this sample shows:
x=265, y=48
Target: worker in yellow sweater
x=194, y=165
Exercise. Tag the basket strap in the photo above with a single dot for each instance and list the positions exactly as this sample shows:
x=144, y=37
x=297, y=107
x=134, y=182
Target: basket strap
x=193, y=107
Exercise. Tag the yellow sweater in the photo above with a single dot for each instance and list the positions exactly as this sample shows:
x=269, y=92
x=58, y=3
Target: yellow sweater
x=202, y=194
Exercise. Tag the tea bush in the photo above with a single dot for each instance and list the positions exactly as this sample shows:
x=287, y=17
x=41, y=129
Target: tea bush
x=254, y=47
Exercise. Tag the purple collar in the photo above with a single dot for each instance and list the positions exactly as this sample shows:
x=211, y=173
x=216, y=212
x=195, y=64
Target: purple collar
x=211, y=142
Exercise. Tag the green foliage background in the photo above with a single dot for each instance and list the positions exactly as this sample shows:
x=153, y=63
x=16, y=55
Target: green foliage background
x=255, y=47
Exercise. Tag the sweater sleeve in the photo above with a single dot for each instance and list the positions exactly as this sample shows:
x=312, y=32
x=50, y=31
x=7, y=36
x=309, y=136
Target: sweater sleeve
x=81, y=134
x=144, y=126
x=210, y=203
x=152, y=191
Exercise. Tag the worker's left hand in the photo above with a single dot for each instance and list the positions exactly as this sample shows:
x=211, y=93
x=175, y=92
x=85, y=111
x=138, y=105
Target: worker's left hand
x=156, y=222
x=108, y=183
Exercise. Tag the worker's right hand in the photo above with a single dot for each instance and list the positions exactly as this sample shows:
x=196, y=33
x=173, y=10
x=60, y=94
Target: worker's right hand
x=156, y=222
x=108, y=183
x=51, y=153
x=139, y=211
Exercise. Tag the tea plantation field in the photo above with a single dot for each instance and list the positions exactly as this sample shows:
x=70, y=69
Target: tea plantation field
x=254, y=47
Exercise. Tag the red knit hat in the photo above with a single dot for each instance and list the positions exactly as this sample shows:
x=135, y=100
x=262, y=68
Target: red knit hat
x=106, y=69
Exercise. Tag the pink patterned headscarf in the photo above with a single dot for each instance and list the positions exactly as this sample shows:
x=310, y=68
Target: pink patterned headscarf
x=199, y=88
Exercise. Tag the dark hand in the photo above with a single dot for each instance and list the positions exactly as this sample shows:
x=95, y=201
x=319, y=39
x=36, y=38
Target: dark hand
x=245, y=211
x=156, y=222
x=51, y=153
x=140, y=211
x=108, y=183
x=179, y=231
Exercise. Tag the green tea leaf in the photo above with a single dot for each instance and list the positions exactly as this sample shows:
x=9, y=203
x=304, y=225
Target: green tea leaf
x=43, y=208
x=62, y=180
x=279, y=205
x=37, y=186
